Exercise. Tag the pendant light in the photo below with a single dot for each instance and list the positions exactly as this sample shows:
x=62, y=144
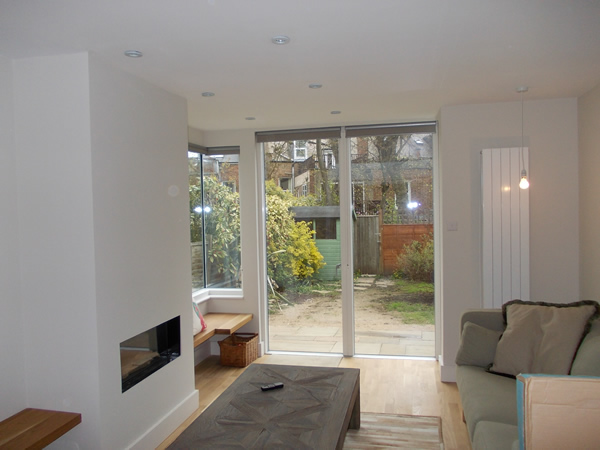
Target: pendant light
x=524, y=183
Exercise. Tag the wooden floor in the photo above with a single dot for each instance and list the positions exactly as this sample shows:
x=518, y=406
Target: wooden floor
x=393, y=386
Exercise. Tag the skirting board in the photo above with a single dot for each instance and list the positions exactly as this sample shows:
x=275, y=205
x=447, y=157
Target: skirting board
x=169, y=423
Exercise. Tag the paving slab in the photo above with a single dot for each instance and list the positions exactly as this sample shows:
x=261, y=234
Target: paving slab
x=367, y=349
x=289, y=337
x=429, y=335
x=320, y=347
x=318, y=331
x=393, y=349
x=420, y=350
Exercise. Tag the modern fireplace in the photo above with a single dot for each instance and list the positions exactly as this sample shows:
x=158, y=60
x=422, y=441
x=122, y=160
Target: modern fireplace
x=147, y=352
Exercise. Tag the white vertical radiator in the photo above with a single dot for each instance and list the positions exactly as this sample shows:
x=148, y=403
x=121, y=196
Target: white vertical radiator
x=505, y=226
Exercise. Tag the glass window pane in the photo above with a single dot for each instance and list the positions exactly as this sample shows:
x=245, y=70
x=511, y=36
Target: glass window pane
x=214, y=220
x=392, y=193
x=196, y=230
x=325, y=229
x=303, y=245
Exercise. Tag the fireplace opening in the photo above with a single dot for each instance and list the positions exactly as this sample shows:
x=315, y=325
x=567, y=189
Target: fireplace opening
x=147, y=352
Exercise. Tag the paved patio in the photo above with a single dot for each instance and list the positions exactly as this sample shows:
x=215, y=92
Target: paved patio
x=329, y=340
x=291, y=330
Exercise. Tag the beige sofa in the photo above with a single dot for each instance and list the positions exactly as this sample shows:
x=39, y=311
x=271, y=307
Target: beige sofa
x=489, y=400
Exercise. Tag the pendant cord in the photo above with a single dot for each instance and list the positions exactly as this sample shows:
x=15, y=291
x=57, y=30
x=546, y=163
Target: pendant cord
x=522, y=132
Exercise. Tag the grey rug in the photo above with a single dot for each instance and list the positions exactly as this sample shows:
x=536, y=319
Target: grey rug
x=386, y=431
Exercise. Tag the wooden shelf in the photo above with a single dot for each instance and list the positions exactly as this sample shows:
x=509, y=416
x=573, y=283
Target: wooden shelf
x=221, y=323
x=35, y=428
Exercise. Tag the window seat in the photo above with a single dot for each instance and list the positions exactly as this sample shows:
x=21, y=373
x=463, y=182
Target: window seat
x=36, y=428
x=221, y=323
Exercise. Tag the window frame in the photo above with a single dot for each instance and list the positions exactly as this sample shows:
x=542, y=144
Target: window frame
x=298, y=148
x=207, y=292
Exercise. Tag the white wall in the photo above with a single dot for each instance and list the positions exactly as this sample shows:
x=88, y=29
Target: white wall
x=12, y=391
x=195, y=136
x=589, y=192
x=52, y=129
x=101, y=176
x=142, y=253
x=550, y=128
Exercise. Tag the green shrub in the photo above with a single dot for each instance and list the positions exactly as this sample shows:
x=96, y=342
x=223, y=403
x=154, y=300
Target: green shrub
x=416, y=262
x=292, y=252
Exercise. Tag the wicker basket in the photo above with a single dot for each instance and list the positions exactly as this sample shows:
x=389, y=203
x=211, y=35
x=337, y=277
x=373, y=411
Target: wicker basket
x=239, y=349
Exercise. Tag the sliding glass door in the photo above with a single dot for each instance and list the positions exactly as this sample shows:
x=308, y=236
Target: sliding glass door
x=349, y=217
x=303, y=245
x=392, y=192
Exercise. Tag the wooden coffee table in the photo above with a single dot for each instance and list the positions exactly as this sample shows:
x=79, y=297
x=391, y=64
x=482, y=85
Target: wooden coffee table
x=313, y=410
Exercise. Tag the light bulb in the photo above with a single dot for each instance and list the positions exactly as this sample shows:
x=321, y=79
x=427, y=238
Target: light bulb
x=524, y=184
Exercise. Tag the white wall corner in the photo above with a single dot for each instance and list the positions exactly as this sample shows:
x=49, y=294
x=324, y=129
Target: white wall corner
x=195, y=136
x=447, y=372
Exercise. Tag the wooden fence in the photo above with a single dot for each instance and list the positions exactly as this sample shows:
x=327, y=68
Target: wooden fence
x=367, y=255
x=395, y=237
x=376, y=246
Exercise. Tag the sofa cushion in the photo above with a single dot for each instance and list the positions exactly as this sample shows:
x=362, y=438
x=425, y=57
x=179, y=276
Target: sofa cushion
x=486, y=397
x=477, y=345
x=541, y=337
x=495, y=436
x=587, y=360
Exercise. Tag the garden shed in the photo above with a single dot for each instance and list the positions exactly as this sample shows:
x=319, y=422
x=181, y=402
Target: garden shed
x=325, y=221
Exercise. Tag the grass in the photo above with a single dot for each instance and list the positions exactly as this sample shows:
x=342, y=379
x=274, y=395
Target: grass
x=415, y=287
x=414, y=313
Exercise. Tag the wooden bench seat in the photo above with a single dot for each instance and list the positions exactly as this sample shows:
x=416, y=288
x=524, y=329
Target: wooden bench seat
x=35, y=428
x=221, y=323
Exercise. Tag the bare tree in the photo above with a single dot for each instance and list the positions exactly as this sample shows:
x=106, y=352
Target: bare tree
x=278, y=151
x=323, y=173
x=387, y=154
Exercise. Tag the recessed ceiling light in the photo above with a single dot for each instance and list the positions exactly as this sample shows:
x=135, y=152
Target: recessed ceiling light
x=280, y=40
x=208, y=94
x=133, y=53
x=250, y=118
x=315, y=85
x=335, y=112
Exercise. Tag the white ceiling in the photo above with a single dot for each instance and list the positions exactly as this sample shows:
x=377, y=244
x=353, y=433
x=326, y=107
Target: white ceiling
x=378, y=60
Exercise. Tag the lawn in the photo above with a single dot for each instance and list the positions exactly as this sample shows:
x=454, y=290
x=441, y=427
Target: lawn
x=413, y=300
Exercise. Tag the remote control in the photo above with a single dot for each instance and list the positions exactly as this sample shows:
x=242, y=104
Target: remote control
x=269, y=387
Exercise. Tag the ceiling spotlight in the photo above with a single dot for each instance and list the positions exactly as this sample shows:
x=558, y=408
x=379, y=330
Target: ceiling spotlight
x=133, y=53
x=208, y=94
x=315, y=85
x=335, y=112
x=280, y=40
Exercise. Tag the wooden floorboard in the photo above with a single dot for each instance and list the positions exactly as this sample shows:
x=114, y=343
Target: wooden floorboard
x=392, y=386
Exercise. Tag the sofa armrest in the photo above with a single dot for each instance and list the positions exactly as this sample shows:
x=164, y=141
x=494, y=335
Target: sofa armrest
x=557, y=411
x=487, y=318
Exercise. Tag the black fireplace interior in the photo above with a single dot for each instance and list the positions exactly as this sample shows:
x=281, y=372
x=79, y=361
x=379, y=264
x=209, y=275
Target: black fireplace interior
x=145, y=353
